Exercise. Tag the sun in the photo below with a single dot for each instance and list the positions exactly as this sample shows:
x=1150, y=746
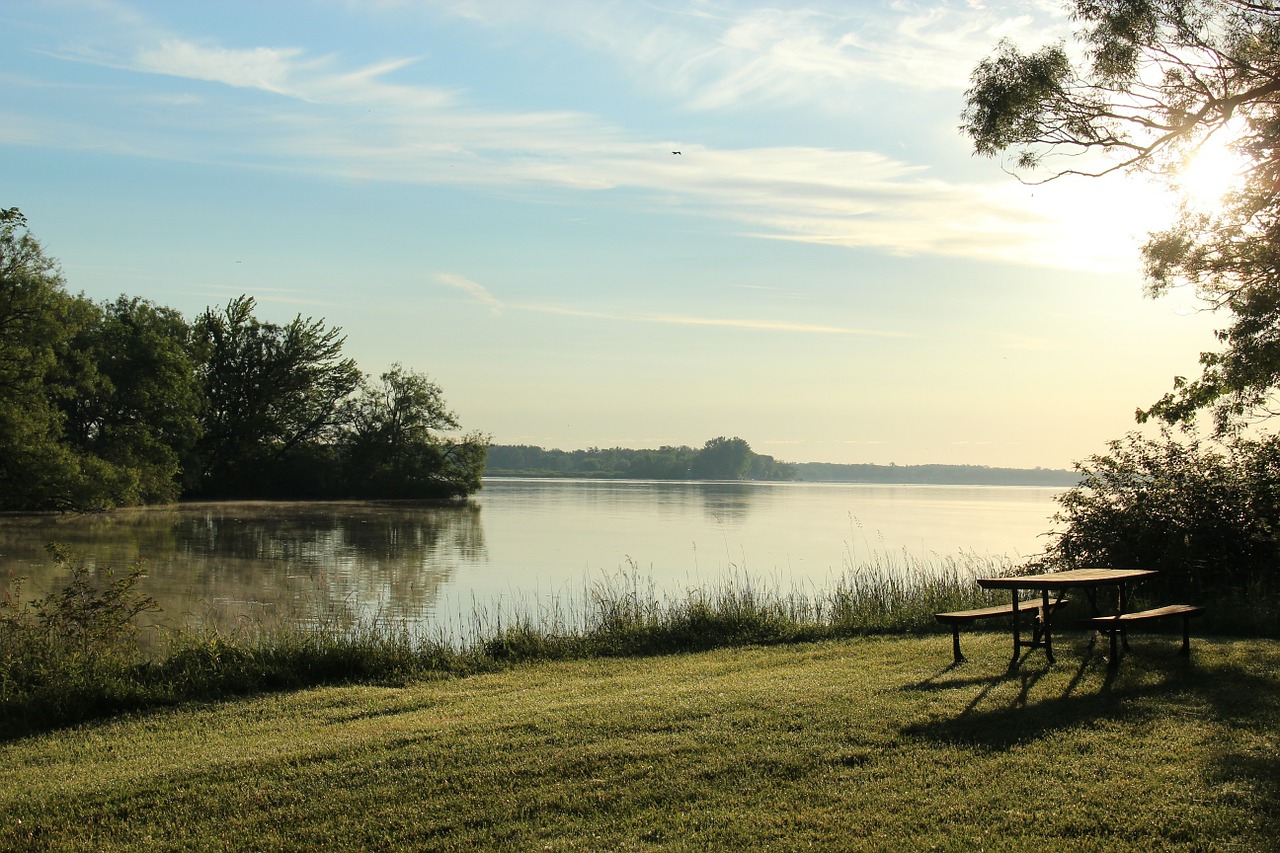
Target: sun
x=1210, y=173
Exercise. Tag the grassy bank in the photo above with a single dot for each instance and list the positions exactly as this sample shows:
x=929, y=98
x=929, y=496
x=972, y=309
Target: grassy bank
x=871, y=743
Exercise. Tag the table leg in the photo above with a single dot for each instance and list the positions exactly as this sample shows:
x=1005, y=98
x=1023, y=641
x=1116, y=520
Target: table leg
x=1046, y=632
x=1017, y=634
x=1124, y=608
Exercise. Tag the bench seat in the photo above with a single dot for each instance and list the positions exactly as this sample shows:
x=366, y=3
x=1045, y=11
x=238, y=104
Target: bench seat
x=1029, y=609
x=1115, y=626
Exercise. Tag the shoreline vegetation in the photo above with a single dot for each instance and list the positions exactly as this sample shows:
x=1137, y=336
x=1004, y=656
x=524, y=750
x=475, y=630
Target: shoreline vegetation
x=76, y=656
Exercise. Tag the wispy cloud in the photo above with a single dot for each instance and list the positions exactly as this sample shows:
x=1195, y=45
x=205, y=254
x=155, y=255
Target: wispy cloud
x=476, y=291
x=288, y=71
x=726, y=53
x=724, y=322
x=766, y=325
x=263, y=68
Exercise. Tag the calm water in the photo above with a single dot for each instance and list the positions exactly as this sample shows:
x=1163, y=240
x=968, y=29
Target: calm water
x=520, y=542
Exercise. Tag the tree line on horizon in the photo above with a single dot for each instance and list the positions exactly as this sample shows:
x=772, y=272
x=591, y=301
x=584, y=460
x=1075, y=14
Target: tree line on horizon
x=732, y=459
x=934, y=474
x=126, y=402
x=719, y=458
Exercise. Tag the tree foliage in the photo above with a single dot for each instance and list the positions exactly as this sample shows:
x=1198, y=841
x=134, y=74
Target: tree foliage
x=1154, y=83
x=37, y=321
x=723, y=459
x=132, y=399
x=393, y=445
x=126, y=402
x=270, y=390
x=1206, y=516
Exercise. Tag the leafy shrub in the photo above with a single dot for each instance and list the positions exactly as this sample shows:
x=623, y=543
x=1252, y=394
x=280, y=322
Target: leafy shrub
x=1206, y=517
x=72, y=653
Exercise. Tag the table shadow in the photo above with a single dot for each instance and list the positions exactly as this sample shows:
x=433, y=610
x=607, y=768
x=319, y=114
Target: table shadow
x=1237, y=698
x=1093, y=690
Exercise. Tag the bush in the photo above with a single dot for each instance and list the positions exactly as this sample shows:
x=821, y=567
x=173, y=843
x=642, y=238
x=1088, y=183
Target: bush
x=1206, y=517
x=73, y=653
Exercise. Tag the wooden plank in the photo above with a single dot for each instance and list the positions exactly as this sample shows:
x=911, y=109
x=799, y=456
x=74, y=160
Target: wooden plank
x=1069, y=578
x=1030, y=605
x=1161, y=612
x=1028, y=608
x=1117, y=626
x=1110, y=623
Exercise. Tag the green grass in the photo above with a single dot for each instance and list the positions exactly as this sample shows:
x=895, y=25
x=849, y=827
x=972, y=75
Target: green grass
x=872, y=743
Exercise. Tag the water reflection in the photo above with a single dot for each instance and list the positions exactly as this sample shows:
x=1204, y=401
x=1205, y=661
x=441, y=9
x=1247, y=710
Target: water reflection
x=250, y=564
x=260, y=563
x=714, y=502
x=727, y=501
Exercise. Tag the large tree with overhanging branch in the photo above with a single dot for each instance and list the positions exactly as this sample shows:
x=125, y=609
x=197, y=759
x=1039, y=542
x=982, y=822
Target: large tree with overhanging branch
x=1151, y=85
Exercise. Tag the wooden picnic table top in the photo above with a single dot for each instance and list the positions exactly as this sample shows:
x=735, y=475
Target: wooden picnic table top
x=1070, y=578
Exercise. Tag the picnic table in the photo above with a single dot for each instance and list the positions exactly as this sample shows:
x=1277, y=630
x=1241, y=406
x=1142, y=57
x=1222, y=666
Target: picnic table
x=1090, y=581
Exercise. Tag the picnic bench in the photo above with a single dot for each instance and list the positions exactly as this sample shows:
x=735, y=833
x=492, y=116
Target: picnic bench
x=1028, y=610
x=1119, y=625
x=1088, y=580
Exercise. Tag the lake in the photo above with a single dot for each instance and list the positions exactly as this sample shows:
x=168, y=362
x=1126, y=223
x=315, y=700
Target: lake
x=521, y=543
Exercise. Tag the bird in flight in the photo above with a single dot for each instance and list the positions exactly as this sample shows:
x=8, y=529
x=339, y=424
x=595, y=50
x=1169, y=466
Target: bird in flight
x=675, y=152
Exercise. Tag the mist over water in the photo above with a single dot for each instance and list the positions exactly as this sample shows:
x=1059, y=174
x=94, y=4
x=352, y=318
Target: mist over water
x=518, y=543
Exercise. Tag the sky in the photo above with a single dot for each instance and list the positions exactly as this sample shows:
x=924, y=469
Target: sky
x=600, y=224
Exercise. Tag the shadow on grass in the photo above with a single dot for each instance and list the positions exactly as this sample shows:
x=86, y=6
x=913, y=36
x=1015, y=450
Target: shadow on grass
x=1233, y=701
x=1253, y=780
x=1144, y=681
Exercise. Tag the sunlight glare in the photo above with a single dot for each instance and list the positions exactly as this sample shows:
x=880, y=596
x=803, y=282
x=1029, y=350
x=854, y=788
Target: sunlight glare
x=1210, y=173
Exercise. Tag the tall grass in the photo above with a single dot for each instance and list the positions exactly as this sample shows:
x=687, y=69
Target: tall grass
x=628, y=615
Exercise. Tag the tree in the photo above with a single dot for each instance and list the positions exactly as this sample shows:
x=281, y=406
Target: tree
x=270, y=392
x=37, y=319
x=723, y=459
x=1158, y=82
x=112, y=403
x=393, y=448
x=768, y=468
x=96, y=402
x=132, y=399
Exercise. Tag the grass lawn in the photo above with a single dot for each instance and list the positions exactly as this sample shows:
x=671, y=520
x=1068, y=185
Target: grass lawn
x=866, y=744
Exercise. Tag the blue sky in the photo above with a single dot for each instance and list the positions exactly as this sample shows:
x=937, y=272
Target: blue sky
x=486, y=191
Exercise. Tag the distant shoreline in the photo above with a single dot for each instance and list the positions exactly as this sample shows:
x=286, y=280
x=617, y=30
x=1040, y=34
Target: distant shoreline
x=942, y=475
x=886, y=475
x=678, y=464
